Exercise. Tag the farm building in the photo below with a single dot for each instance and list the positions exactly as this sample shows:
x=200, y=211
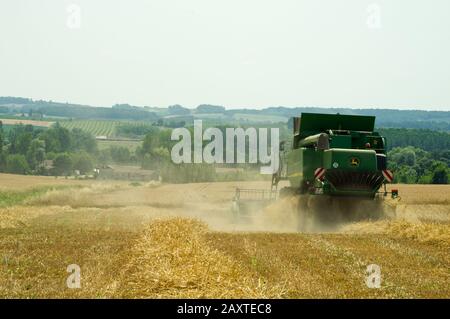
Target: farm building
x=125, y=172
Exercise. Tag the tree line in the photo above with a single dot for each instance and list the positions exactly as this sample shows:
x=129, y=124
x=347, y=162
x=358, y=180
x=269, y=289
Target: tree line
x=416, y=156
x=427, y=140
x=413, y=165
x=24, y=150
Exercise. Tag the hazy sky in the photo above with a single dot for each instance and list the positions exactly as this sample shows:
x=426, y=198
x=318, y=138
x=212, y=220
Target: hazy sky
x=254, y=53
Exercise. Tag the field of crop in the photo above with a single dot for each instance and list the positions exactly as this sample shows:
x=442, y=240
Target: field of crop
x=151, y=240
x=14, y=122
x=98, y=127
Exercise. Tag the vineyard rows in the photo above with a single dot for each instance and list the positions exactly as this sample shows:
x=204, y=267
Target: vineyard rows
x=98, y=128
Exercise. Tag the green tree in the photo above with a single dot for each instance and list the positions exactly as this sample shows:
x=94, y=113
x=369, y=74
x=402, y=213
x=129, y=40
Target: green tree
x=178, y=110
x=82, y=140
x=50, y=155
x=36, y=153
x=82, y=162
x=207, y=108
x=3, y=158
x=17, y=164
x=23, y=142
x=403, y=156
x=156, y=159
x=57, y=139
x=155, y=148
x=1, y=136
x=120, y=154
x=151, y=142
x=2, y=153
x=440, y=173
x=104, y=156
x=407, y=175
x=62, y=164
x=414, y=165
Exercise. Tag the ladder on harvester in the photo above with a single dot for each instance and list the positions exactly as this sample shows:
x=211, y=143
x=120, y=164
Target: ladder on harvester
x=281, y=174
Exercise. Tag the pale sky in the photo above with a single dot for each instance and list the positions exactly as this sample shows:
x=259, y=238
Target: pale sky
x=236, y=53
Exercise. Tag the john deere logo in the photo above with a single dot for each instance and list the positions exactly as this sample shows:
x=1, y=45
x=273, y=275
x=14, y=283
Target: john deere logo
x=354, y=161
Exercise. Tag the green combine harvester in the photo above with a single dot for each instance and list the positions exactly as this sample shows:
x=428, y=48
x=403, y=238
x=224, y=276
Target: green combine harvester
x=335, y=163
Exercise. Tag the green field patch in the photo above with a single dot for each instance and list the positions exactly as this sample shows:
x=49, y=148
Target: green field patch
x=101, y=127
x=11, y=197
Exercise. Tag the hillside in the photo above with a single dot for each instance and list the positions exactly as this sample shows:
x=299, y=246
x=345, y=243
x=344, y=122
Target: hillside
x=177, y=115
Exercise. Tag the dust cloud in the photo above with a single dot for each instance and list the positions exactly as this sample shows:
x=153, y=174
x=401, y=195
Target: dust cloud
x=212, y=204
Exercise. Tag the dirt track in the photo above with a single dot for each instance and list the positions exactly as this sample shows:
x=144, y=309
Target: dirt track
x=180, y=241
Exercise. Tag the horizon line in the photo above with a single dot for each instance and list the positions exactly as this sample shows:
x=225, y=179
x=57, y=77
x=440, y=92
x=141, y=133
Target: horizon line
x=227, y=108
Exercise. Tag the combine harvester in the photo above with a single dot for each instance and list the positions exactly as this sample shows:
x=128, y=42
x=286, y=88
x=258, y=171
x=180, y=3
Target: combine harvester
x=335, y=164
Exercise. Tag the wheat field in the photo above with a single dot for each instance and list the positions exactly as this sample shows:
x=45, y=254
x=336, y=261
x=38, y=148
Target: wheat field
x=180, y=241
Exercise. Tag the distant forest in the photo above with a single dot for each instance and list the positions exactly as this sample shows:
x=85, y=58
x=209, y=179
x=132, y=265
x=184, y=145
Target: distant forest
x=427, y=140
x=177, y=115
